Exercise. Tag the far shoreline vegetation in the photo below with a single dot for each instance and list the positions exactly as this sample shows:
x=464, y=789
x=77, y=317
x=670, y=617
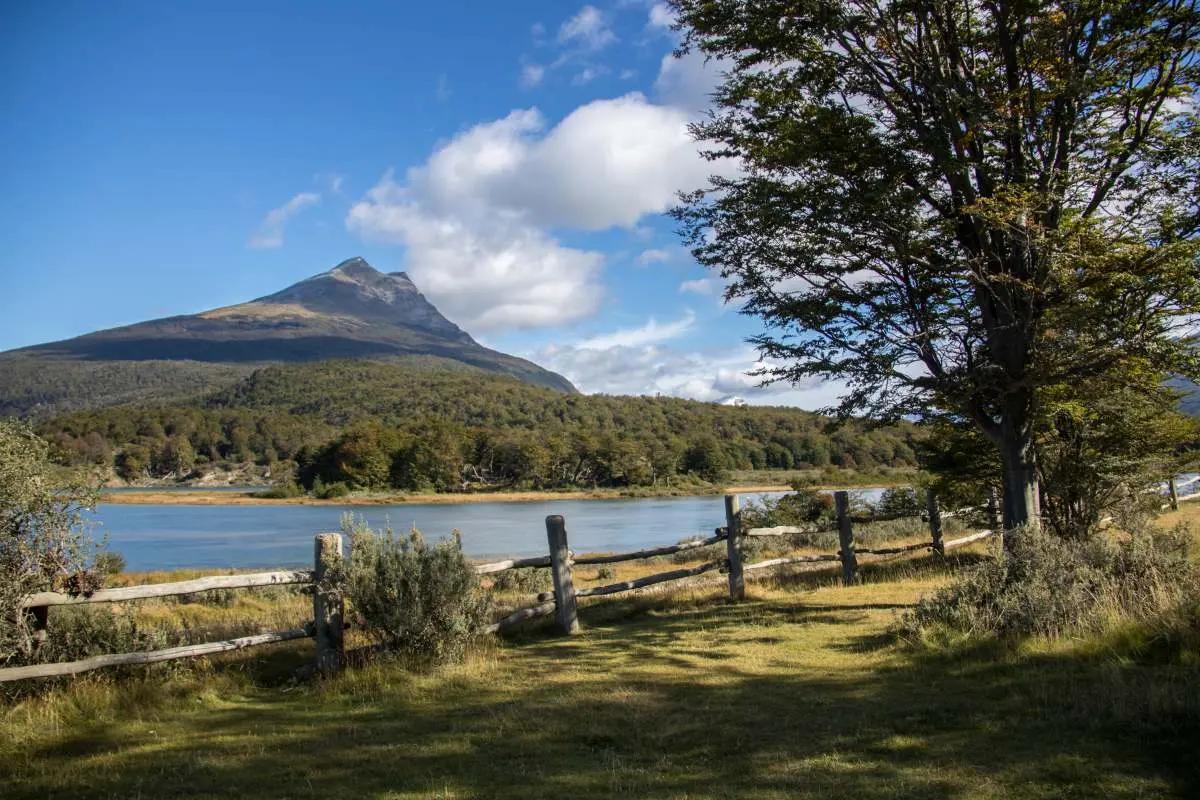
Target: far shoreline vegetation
x=355, y=431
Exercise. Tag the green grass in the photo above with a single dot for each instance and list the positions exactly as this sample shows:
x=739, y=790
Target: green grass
x=801, y=691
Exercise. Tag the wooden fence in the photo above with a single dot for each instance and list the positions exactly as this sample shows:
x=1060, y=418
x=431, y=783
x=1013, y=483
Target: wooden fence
x=327, y=626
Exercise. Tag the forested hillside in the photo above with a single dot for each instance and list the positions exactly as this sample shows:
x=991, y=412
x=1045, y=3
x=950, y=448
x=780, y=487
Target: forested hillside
x=421, y=425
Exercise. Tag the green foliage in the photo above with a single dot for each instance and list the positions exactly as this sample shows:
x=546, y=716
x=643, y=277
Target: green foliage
x=422, y=601
x=109, y=563
x=43, y=544
x=526, y=580
x=1050, y=586
x=382, y=425
x=900, y=500
x=950, y=206
x=77, y=632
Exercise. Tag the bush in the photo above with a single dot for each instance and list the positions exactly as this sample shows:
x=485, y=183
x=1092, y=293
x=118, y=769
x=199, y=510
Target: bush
x=900, y=500
x=109, y=563
x=422, y=601
x=527, y=580
x=79, y=632
x=281, y=490
x=329, y=491
x=1050, y=586
x=43, y=539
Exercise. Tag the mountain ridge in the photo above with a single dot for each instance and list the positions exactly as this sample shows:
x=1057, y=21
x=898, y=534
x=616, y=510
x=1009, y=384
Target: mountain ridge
x=350, y=311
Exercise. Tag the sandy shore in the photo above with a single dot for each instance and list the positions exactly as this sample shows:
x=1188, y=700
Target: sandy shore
x=200, y=498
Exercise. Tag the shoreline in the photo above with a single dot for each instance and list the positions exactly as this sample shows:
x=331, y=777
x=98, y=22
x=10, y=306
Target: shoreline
x=152, y=496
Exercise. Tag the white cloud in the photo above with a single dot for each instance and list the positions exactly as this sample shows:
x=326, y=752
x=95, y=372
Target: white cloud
x=660, y=17
x=270, y=231
x=701, y=286
x=608, y=163
x=532, y=75
x=653, y=256
x=650, y=333
x=476, y=216
x=653, y=369
x=487, y=277
x=588, y=29
x=587, y=75
x=688, y=82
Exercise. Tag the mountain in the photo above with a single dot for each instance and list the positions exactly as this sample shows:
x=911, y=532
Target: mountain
x=351, y=311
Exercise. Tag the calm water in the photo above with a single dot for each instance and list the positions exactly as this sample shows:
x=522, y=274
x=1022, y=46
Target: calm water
x=173, y=536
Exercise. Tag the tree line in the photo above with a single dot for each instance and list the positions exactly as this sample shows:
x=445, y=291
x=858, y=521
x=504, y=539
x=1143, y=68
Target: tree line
x=378, y=425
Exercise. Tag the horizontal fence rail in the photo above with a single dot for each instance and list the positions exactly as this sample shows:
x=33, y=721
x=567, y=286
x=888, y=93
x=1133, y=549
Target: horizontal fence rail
x=151, y=657
x=327, y=626
x=146, y=591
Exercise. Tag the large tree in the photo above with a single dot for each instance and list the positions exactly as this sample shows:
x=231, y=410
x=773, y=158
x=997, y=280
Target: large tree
x=948, y=205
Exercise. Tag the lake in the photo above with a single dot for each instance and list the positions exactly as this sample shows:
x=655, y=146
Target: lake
x=175, y=536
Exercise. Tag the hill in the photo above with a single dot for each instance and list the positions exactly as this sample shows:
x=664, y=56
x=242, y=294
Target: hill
x=430, y=423
x=350, y=311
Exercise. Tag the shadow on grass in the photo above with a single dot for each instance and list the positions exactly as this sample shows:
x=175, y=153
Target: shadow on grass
x=658, y=698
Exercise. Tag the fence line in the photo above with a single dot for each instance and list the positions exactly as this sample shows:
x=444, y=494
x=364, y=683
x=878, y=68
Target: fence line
x=327, y=626
x=145, y=591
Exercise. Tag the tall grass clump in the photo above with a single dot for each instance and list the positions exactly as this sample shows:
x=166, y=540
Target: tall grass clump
x=1050, y=586
x=421, y=601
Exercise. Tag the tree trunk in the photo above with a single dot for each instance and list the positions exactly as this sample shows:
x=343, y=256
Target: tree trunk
x=1018, y=459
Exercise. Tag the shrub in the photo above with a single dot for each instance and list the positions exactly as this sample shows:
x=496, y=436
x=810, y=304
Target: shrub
x=109, y=563
x=900, y=500
x=1045, y=585
x=282, y=490
x=43, y=540
x=422, y=601
x=528, y=580
x=79, y=632
x=329, y=491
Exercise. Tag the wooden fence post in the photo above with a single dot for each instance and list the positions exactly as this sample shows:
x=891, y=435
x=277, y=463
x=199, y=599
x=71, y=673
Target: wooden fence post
x=41, y=621
x=1174, y=494
x=935, y=521
x=993, y=510
x=560, y=569
x=841, y=501
x=328, y=606
x=733, y=547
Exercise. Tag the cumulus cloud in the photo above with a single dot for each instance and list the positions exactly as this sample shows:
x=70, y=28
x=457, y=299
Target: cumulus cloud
x=650, y=333
x=653, y=256
x=477, y=217
x=642, y=369
x=270, y=231
x=701, y=286
x=607, y=163
x=660, y=17
x=688, y=82
x=504, y=275
x=588, y=29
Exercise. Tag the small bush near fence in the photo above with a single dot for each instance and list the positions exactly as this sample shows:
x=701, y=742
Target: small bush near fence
x=423, y=601
x=527, y=580
x=1046, y=585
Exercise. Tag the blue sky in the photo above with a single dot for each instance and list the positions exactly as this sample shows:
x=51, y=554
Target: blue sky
x=515, y=158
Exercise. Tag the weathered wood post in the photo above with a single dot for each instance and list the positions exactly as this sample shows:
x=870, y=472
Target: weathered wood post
x=1174, y=494
x=841, y=502
x=733, y=547
x=935, y=521
x=41, y=621
x=560, y=569
x=328, y=606
x=993, y=511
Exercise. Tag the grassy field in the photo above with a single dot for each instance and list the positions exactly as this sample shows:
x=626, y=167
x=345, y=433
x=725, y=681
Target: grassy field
x=801, y=691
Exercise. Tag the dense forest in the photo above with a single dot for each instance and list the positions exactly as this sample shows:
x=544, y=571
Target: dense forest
x=420, y=425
